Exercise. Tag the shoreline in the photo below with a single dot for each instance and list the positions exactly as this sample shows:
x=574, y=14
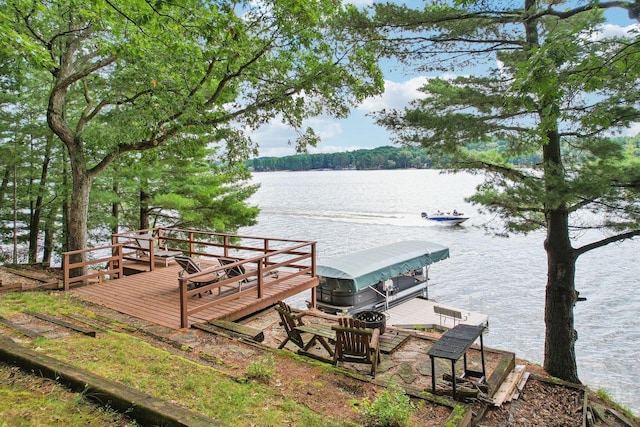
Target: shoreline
x=184, y=338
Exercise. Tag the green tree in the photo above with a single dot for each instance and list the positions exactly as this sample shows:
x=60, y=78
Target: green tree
x=28, y=160
x=183, y=187
x=551, y=84
x=134, y=75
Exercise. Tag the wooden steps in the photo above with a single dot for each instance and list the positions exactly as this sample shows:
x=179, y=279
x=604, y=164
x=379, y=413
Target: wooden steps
x=389, y=341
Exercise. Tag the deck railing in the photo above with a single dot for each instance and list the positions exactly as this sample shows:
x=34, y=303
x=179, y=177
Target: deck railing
x=195, y=243
x=92, y=264
x=258, y=255
x=296, y=260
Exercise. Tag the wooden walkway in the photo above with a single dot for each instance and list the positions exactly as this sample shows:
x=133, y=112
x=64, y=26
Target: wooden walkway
x=154, y=296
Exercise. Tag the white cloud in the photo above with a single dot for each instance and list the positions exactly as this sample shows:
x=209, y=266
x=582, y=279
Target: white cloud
x=396, y=95
x=633, y=130
x=608, y=31
x=278, y=139
x=324, y=148
x=356, y=132
x=274, y=132
x=359, y=3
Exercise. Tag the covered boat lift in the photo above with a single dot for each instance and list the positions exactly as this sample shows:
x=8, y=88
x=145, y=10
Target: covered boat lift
x=377, y=278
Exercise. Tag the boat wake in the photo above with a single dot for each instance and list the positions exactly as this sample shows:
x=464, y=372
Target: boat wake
x=387, y=218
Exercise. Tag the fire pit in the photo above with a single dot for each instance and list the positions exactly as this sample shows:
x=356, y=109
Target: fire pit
x=372, y=319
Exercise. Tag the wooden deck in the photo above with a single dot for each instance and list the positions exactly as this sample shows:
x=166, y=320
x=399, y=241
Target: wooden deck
x=154, y=296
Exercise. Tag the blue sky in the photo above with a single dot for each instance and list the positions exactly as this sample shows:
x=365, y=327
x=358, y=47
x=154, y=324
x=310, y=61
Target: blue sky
x=359, y=131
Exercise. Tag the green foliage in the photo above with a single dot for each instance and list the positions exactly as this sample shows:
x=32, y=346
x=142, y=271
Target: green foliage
x=456, y=416
x=261, y=370
x=173, y=79
x=487, y=152
x=391, y=408
x=557, y=85
x=544, y=79
x=184, y=187
x=602, y=394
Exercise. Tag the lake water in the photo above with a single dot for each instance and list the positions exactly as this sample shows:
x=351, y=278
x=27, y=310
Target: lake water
x=505, y=278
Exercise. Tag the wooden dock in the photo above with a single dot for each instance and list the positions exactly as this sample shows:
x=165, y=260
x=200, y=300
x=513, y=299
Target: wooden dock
x=154, y=296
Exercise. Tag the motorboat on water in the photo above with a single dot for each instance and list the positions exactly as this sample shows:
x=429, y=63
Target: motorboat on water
x=451, y=218
x=378, y=278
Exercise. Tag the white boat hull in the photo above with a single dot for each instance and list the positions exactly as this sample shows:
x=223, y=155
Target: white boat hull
x=450, y=219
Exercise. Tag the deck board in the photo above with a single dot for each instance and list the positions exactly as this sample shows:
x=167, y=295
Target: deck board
x=154, y=296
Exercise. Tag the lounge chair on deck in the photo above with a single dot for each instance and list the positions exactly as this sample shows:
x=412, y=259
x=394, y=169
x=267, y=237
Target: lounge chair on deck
x=144, y=241
x=357, y=344
x=189, y=266
x=239, y=270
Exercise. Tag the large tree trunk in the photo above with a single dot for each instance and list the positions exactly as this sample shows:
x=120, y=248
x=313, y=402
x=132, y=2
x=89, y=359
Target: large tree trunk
x=49, y=238
x=144, y=210
x=34, y=226
x=5, y=184
x=65, y=204
x=560, y=336
x=115, y=208
x=77, y=220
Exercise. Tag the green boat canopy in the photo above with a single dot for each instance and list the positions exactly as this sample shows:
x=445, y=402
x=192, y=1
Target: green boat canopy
x=375, y=265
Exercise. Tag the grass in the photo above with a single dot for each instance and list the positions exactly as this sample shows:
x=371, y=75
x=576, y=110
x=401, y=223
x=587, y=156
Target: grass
x=124, y=358
x=391, y=408
x=602, y=394
x=261, y=370
x=28, y=400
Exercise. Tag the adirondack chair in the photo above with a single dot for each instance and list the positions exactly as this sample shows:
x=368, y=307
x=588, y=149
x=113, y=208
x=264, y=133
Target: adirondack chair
x=357, y=344
x=290, y=321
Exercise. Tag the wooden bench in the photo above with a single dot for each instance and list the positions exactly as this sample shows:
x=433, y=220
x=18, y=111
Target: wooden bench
x=447, y=312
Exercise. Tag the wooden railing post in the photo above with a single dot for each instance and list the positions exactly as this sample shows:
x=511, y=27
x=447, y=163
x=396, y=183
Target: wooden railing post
x=266, y=251
x=260, y=281
x=225, y=240
x=152, y=244
x=192, y=247
x=65, y=271
x=313, y=273
x=115, y=252
x=120, y=269
x=184, y=306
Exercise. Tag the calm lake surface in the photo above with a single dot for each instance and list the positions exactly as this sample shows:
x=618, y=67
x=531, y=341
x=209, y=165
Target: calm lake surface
x=346, y=211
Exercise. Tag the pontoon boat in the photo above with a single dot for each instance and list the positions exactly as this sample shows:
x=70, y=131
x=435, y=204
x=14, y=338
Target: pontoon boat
x=378, y=278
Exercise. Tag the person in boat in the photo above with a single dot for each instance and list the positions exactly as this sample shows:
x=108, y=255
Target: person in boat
x=455, y=212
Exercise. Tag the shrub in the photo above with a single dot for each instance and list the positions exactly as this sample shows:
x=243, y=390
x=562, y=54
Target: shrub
x=261, y=370
x=391, y=408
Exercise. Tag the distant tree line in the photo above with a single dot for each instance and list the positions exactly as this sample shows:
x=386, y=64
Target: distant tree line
x=389, y=157
x=386, y=157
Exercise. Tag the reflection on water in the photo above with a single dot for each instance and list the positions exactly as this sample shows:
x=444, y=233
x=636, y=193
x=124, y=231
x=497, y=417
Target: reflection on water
x=346, y=211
